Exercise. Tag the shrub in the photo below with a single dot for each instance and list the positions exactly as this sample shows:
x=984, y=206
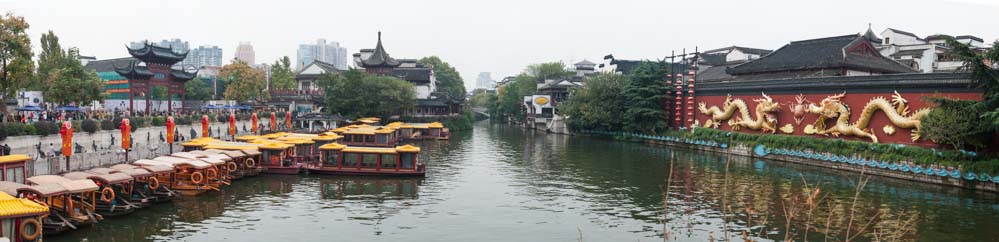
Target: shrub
x=159, y=121
x=108, y=125
x=137, y=123
x=44, y=128
x=116, y=122
x=89, y=126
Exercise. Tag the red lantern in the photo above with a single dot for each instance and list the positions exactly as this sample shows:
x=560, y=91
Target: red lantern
x=204, y=125
x=254, y=119
x=170, y=126
x=126, y=134
x=273, y=121
x=287, y=119
x=67, y=138
x=232, y=124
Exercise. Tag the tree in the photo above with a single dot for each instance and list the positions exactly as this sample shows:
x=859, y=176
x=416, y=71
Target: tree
x=448, y=77
x=282, y=77
x=71, y=83
x=646, y=96
x=358, y=94
x=956, y=123
x=599, y=105
x=159, y=93
x=482, y=99
x=52, y=58
x=16, y=65
x=197, y=89
x=244, y=82
x=983, y=72
x=548, y=71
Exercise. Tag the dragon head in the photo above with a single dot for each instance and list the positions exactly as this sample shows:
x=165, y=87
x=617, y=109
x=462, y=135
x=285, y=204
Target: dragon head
x=768, y=108
x=828, y=107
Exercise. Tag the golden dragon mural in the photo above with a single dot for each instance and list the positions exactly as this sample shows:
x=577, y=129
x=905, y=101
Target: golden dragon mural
x=766, y=116
x=897, y=111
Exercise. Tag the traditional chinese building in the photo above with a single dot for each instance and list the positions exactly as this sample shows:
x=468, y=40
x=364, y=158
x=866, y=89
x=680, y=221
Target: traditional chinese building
x=130, y=81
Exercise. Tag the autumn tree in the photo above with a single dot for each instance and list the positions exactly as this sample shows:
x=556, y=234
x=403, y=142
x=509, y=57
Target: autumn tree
x=244, y=82
x=52, y=58
x=16, y=65
x=282, y=76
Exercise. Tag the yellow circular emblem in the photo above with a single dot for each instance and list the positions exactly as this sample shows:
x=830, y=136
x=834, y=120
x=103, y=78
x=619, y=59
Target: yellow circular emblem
x=541, y=100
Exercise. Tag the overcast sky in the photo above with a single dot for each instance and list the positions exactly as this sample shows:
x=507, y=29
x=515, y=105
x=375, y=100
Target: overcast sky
x=501, y=37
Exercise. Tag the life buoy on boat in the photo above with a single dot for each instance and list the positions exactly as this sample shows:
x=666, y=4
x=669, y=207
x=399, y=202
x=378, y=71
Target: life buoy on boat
x=153, y=183
x=231, y=166
x=30, y=229
x=249, y=162
x=107, y=194
x=212, y=173
x=197, y=177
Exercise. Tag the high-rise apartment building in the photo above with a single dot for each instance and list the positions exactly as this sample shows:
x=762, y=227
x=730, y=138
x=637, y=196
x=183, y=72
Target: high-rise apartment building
x=329, y=52
x=205, y=55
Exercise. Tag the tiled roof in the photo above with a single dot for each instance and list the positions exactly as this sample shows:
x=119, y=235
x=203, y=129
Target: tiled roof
x=417, y=75
x=380, y=57
x=903, y=32
x=831, y=52
x=109, y=64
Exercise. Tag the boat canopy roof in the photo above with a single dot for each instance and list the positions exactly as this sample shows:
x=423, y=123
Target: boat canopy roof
x=113, y=178
x=11, y=206
x=119, y=167
x=14, y=158
x=47, y=179
x=135, y=172
x=11, y=187
x=45, y=190
x=157, y=169
x=78, y=186
x=188, y=155
x=101, y=170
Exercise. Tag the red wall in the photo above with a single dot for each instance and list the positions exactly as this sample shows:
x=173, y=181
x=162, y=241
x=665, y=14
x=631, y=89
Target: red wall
x=856, y=103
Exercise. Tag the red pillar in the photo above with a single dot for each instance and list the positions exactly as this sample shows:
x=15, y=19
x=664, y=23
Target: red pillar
x=131, y=103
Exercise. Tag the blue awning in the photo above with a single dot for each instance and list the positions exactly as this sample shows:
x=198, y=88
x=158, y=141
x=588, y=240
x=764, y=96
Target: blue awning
x=68, y=108
x=29, y=108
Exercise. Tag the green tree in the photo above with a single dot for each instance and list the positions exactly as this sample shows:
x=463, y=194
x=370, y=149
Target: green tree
x=956, y=123
x=646, y=96
x=548, y=71
x=482, y=99
x=244, y=82
x=282, y=77
x=52, y=58
x=599, y=105
x=448, y=77
x=197, y=89
x=983, y=72
x=16, y=65
x=358, y=94
x=71, y=83
x=510, y=97
x=159, y=93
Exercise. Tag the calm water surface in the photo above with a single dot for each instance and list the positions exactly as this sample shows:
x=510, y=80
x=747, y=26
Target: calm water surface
x=499, y=183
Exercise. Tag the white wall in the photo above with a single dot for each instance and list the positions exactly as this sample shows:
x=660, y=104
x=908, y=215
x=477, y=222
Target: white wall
x=422, y=91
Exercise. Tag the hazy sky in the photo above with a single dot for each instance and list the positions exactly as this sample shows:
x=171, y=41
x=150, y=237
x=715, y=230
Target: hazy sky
x=501, y=37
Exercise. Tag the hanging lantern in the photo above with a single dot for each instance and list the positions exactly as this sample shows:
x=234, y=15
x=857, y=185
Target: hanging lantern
x=170, y=127
x=204, y=125
x=67, y=138
x=253, y=118
x=126, y=134
x=232, y=124
x=287, y=119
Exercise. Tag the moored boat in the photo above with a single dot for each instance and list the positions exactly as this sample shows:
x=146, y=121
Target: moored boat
x=276, y=158
x=76, y=199
x=110, y=203
x=338, y=159
x=21, y=218
x=188, y=176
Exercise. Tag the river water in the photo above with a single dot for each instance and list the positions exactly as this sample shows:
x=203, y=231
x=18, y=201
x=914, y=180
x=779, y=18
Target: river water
x=501, y=183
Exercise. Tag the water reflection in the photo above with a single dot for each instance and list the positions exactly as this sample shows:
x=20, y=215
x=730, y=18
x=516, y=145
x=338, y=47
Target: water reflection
x=499, y=183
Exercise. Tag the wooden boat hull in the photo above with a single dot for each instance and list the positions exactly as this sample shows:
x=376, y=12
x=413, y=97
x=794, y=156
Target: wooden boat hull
x=283, y=170
x=110, y=211
x=190, y=192
x=366, y=172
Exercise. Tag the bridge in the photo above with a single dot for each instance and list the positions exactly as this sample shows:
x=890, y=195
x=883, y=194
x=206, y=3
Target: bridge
x=481, y=113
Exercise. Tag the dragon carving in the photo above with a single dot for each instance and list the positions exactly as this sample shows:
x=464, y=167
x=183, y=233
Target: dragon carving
x=832, y=107
x=765, y=111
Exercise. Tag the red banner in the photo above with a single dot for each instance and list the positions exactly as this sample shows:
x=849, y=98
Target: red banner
x=232, y=124
x=254, y=119
x=170, y=127
x=67, y=138
x=204, y=125
x=126, y=134
x=287, y=120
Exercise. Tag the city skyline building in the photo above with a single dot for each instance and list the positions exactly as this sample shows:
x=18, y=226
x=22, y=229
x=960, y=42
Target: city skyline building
x=329, y=52
x=485, y=81
x=244, y=53
x=205, y=55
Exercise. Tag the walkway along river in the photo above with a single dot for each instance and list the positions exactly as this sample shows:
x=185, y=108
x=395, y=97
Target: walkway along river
x=501, y=183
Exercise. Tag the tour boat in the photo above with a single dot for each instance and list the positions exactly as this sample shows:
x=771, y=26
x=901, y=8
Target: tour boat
x=366, y=135
x=303, y=149
x=276, y=158
x=129, y=192
x=433, y=130
x=146, y=188
x=189, y=176
x=338, y=159
x=12, y=167
x=109, y=204
x=76, y=201
x=247, y=163
x=197, y=143
x=61, y=215
x=21, y=218
x=159, y=182
x=218, y=174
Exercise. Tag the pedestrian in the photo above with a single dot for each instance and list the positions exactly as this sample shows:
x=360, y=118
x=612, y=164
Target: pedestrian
x=6, y=149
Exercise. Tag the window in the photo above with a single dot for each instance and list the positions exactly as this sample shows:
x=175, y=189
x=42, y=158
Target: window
x=350, y=159
x=369, y=139
x=389, y=161
x=369, y=160
x=331, y=158
x=407, y=160
x=159, y=76
x=382, y=139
